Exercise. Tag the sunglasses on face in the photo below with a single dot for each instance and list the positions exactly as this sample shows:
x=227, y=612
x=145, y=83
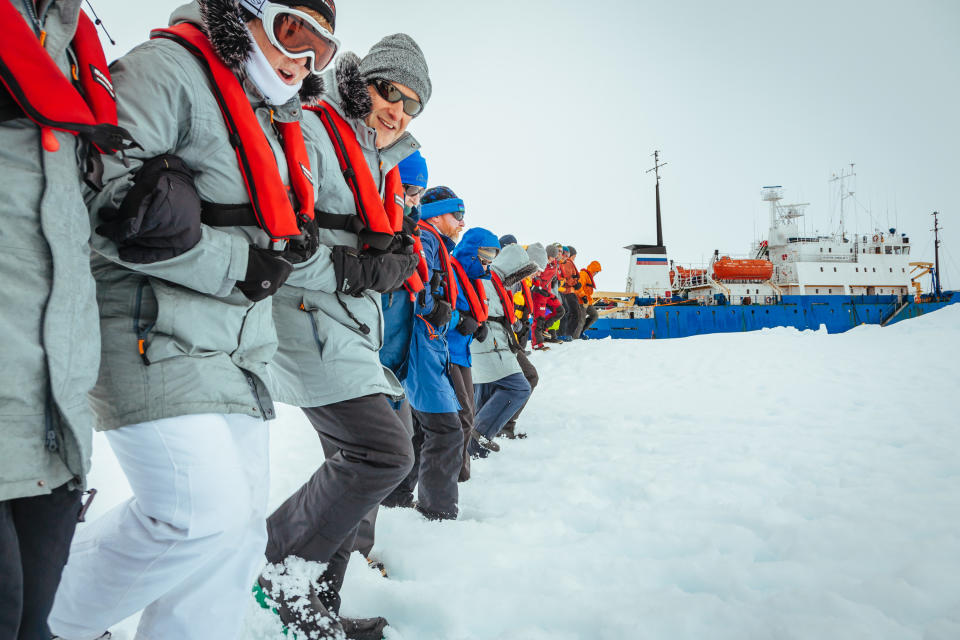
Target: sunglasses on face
x=412, y=190
x=391, y=94
x=457, y=215
x=487, y=254
x=299, y=35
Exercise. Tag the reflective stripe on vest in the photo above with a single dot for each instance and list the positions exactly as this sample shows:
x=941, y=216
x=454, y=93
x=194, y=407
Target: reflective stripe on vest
x=476, y=294
x=509, y=312
x=451, y=285
x=47, y=97
x=379, y=218
x=269, y=197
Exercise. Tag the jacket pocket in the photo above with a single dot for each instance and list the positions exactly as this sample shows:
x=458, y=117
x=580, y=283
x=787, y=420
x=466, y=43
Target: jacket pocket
x=141, y=326
x=314, y=325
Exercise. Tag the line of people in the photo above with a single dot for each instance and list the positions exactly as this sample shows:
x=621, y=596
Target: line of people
x=223, y=219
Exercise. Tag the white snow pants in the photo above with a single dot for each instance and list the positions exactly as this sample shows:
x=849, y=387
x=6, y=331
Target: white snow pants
x=187, y=547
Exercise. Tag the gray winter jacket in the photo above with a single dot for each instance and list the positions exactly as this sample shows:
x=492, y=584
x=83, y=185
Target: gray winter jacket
x=206, y=345
x=49, y=342
x=492, y=358
x=325, y=356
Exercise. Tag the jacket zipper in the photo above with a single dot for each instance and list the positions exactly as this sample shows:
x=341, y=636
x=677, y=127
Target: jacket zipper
x=316, y=331
x=253, y=390
x=141, y=333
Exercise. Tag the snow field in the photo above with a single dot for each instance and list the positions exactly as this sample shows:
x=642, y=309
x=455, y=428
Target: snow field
x=776, y=484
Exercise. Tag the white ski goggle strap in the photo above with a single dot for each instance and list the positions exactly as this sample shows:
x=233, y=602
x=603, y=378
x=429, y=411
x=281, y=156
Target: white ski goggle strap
x=298, y=35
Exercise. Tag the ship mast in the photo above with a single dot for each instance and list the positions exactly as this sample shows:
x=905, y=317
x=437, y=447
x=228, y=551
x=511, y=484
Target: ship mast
x=843, y=194
x=936, y=253
x=656, y=169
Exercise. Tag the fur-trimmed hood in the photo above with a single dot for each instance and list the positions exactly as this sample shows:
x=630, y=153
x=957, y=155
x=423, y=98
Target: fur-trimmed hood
x=222, y=22
x=513, y=265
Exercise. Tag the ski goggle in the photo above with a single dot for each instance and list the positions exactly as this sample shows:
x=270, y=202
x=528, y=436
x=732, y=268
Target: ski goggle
x=391, y=94
x=412, y=190
x=487, y=254
x=299, y=35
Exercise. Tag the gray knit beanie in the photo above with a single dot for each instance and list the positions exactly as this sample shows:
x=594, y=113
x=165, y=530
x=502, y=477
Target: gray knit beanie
x=397, y=58
x=552, y=251
x=538, y=255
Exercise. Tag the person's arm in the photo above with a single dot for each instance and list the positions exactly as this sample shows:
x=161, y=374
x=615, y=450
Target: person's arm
x=155, y=105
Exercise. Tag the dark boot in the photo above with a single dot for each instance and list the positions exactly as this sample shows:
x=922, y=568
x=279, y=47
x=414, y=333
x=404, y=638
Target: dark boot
x=484, y=442
x=303, y=614
x=364, y=628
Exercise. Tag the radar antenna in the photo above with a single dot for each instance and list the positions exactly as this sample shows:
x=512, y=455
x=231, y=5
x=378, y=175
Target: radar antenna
x=844, y=194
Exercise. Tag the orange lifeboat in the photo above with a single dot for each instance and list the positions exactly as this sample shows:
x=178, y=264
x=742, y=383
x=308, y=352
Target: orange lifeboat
x=686, y=275
x=728, y=269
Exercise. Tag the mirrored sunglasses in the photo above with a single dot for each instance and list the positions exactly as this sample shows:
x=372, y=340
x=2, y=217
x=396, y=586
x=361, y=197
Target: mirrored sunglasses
x=298, y=35
x=487, y=254
x=391, y=94
x=412, y=190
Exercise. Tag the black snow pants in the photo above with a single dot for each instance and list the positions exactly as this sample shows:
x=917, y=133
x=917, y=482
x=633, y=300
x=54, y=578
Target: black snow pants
x=592, y=316
x=572, y=323
x=368, y=453
x=35, y=535
x=530, y=373
x=462, y=378
x=441, y=457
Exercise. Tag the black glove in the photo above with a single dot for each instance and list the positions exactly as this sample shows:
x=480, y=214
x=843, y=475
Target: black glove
x=357, y=270
x=266, y=273
x=160, y=216
x=467, y=325
x=481, y=333
x=302, y=248
x=577, y=286
x=441, y=313
x=516, y=326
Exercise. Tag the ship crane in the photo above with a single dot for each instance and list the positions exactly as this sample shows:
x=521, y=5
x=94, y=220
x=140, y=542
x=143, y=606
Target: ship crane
x=923, y=268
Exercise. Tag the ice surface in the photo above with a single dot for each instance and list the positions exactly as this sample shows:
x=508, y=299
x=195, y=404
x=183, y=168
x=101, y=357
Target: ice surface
x=777, y=484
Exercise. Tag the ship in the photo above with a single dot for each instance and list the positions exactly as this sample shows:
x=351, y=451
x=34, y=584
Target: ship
x=834, y=281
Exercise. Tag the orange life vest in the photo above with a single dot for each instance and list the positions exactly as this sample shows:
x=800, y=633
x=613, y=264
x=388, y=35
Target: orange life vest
x=378, y=219
x=269, y=197
x=450, y=286
x=474, y=290
x=46, y=96
x=509, y=312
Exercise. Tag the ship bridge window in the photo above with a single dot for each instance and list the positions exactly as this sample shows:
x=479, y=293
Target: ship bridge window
x=874, y=269
x=834, y=269
x=821, y=249
x=903, y=270
x=888, y=250
x=829, y=249
x=891, y=269
x=821, y=268
x=858, y=269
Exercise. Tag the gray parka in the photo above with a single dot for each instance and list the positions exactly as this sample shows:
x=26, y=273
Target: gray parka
x=49, y=341
x=206, y=345
x=492, y=358
x=324, y=354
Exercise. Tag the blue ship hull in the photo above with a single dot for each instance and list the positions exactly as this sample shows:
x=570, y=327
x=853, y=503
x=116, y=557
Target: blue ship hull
x=837, y=313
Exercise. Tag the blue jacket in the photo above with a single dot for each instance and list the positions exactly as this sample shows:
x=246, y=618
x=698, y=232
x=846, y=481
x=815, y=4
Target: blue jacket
x=427, y=383
x=466, y=255
x=398, y=315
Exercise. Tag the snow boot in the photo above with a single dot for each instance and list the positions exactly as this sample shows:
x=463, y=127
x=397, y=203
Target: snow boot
x=483, y=441
x=364, y=628
x=299, y=613
x=436, y=516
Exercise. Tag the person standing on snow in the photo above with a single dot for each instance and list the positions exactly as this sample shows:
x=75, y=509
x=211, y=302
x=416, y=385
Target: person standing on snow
x=427, y=383
x=49, y=335
x=547, y=308
x=500, y=388
x=587, y=286
x=569, y=278
x=538, y=256
x=185, y=313
x=330, y=321
x=471, y=266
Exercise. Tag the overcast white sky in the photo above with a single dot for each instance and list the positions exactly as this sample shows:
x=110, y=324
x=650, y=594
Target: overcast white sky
x=544, y=114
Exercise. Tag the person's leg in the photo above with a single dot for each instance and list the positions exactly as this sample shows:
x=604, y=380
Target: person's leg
x=503, y=398
x=463, y=385
x=402, y=495
x=44, y=527
x=440, y=463
x=581, y=319
x=530, y=373
x=185, y=546
x=591, y=316
x=11, y=568
x=374, y=455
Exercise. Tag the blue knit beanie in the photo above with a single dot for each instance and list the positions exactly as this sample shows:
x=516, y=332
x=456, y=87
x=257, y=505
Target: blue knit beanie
x=508, y=239
x=413, y=170
x=438, y=201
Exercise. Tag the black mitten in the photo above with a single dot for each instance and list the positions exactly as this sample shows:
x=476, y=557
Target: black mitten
x=441, y=314
x=301, y=248
x=160, y=216
x=481, y=333
x=467, y=325
x=266, y=273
